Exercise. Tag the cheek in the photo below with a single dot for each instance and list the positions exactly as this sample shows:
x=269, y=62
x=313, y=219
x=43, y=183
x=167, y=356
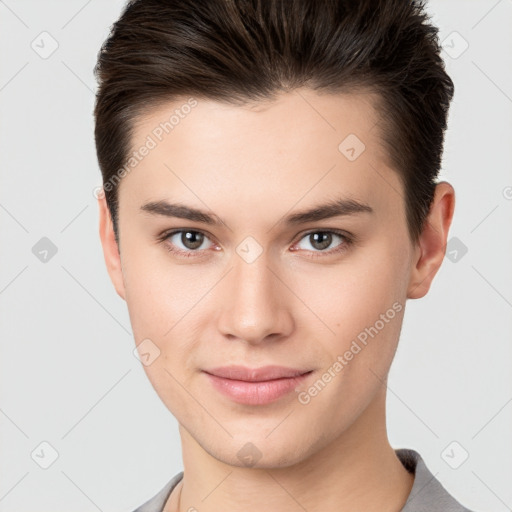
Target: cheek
x=164, y=303
x=160, y=301
x=350, y=296
x=362, y=303
x=158, y=294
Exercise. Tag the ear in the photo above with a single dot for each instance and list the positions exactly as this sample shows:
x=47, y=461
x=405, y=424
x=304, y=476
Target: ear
x=111, y=251
x=431, y=246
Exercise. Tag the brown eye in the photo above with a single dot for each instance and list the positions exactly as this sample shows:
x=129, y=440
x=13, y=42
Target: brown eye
x=319, y=241
x=191, y=239
x=185, y=241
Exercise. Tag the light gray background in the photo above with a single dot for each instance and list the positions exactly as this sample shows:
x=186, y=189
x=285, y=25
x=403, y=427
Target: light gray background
x=68, y=374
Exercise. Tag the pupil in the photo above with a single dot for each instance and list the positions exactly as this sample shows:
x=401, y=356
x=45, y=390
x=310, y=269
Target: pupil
x=191, y=239
x=325, y=243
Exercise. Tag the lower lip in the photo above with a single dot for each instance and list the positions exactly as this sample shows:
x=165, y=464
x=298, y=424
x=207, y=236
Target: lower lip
x=256, y=393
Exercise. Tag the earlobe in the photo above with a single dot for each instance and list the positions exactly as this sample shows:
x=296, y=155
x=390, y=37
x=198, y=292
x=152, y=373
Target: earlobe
x=431, y=247
x=110, y=248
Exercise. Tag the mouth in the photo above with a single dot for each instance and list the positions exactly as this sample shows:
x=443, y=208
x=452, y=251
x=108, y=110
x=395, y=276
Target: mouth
x=258, y=386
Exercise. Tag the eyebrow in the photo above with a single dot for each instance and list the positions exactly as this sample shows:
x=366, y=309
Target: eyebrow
x=335, y=208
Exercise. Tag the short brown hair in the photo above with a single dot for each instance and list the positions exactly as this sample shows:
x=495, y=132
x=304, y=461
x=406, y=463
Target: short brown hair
x=240, y=51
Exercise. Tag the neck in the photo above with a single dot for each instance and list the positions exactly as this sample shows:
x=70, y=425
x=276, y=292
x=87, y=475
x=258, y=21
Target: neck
x=358, y=470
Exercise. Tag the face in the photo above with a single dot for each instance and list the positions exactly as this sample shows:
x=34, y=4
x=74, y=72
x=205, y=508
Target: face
x=252, y=283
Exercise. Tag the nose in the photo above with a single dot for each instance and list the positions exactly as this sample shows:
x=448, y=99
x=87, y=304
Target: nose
x=254, y=303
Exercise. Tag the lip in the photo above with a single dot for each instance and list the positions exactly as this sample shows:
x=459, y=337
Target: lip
x=264, y=373
x=256, y=386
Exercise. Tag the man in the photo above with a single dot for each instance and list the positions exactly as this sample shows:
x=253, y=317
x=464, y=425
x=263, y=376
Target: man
x=270, y=205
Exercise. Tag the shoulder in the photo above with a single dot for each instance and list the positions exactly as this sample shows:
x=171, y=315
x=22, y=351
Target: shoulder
x=427, y=493
x=157, y=502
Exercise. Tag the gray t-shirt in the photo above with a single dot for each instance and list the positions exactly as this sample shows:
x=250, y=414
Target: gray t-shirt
x=427, y=494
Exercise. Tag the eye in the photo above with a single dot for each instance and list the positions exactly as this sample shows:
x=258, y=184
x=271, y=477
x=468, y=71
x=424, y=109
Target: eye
x=185, y=241
x=320, y=240
x=190, y=242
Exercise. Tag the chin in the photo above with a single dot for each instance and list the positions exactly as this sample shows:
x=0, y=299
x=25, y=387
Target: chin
x=255, y=453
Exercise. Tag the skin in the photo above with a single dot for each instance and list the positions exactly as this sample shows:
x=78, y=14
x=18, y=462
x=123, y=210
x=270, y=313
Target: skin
x=252, y=166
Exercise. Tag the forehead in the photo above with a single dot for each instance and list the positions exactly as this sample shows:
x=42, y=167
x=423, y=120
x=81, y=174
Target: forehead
x=300, y=145
x=294, y=116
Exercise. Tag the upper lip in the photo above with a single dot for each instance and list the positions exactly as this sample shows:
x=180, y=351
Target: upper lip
x=255, y=374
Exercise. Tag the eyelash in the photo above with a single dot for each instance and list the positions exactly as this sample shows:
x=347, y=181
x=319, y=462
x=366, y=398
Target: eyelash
x=347, y=242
